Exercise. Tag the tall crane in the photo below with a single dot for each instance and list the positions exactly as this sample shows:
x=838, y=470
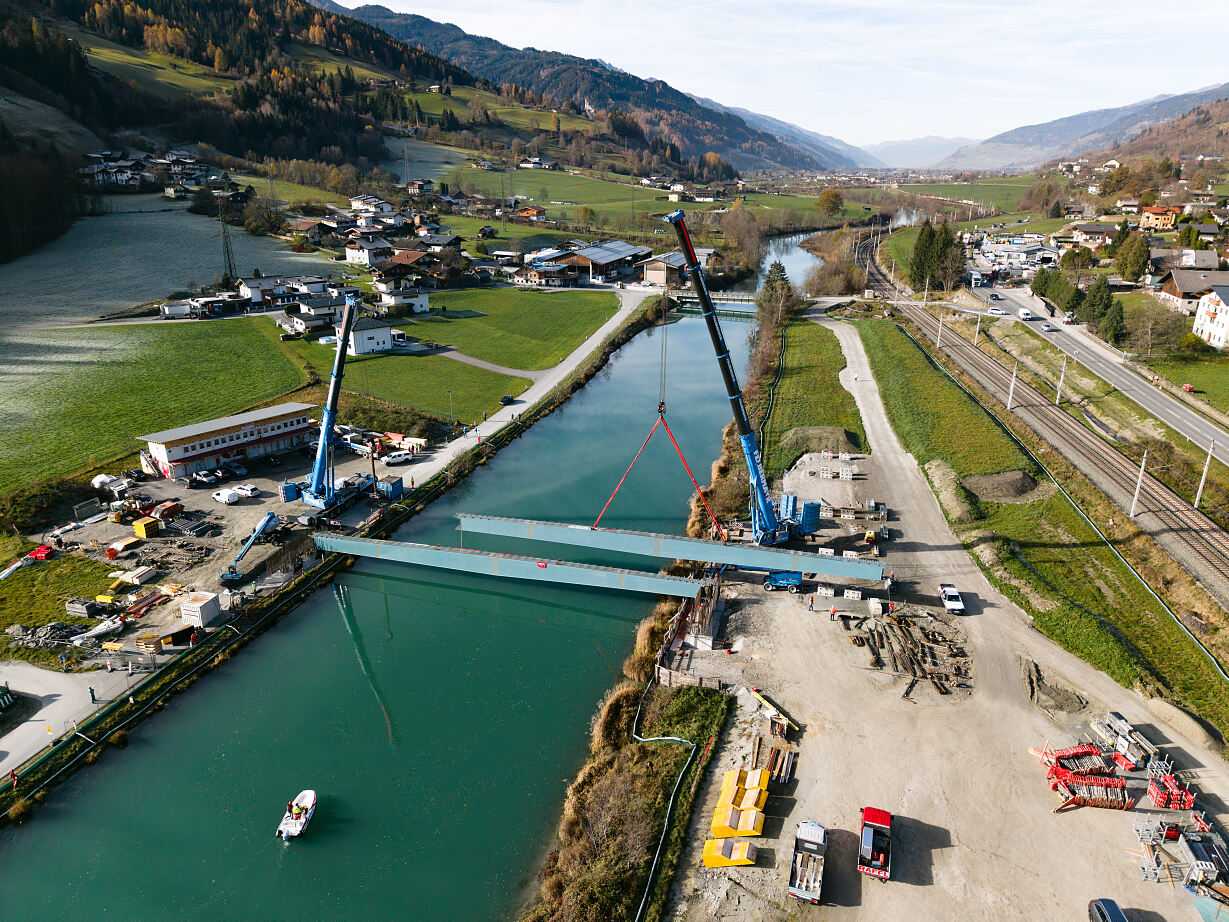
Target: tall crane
x=233, y=576
x=765, y=525
x=319, y=491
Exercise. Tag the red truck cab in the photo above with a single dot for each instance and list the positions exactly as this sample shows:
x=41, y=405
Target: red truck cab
x=875, y=848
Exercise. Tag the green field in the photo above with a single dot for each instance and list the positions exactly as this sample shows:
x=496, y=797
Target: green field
x=110, y=384
x=933, y=417
x=808, y=394
x=1078, y=593
x=1002, y=193
x=292, y=193
x=324, y=61
x=533, y=237
x=531, y=330
x=510, y=113
x=161, y=74
x=1210, y=378
x=432, y=384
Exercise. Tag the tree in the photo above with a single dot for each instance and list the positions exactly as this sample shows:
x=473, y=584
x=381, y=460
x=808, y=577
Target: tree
x=922, y=261
x=949, y=259
x=1056, y=209
x=262, y=216
x=1120, y=237
x=830, y=202
x=1097, y=302
x=1077, y=259
x=584, y=216
x=1112, y=327
x=1132, y=259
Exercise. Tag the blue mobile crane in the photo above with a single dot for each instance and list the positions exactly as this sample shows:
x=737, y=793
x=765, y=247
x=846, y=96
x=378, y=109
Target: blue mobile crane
x=769, y=524
x=320, y=490
x=233, y=576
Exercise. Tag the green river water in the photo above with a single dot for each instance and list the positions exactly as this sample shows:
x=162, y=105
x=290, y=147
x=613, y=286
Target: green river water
x=439, y=715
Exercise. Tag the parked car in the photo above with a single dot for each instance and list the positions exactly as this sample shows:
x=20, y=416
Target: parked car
x=222, y=474
x=997, y=312
x=247, y=489
x=236, y=468
x=790, y=580
x=205, y=478
x=1105, y=911
x=226, y=497
x=135, y=473
x=399, y=457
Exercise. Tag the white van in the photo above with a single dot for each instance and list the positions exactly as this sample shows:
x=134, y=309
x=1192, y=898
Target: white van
x=399, y=457
x=1025, y=314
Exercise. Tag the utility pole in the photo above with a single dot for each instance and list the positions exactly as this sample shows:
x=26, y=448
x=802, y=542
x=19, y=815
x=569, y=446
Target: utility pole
x=939, y=335
x=1011, y=391
x=1139, y=482
x=1058, y=394
x=926, y=294
x=1204, y=476
x=977, y=330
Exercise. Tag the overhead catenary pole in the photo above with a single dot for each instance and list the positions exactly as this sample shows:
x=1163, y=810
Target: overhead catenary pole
x=1204, y=476
x=1011, y=391
x=939, y=335
x=1058, y=393
x=1139, y=482
x=977, y=330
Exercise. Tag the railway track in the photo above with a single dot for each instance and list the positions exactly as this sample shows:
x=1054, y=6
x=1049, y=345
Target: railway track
x=1083, y=448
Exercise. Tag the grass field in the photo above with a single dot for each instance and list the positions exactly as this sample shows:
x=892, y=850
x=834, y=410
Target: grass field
x=511, y=114
x=161, y=74
x=324, y=61
x=809, y=394
x=292, y=193
x=531, y=330
x=1042, y=554
x=932, y=416
x=467, y=227
x=1209, y=376
x=111, y=384
x=1003, y=193
x=432, y=384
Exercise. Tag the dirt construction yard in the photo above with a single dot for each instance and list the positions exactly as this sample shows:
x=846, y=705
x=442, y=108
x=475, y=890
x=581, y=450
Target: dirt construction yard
x=976, y=833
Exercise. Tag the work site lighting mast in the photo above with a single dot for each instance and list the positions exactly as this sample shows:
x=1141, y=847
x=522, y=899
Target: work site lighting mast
x=764, y=522
x=319, y=490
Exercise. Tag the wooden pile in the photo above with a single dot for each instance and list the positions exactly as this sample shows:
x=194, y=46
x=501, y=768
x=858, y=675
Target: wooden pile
x=902, y=644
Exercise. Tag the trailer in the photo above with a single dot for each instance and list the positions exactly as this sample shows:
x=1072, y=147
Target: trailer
x=806, y=868
x=875, y=848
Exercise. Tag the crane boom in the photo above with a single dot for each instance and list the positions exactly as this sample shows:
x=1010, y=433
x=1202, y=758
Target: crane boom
x=320, y=485
x=232, y=575
x=763, y=515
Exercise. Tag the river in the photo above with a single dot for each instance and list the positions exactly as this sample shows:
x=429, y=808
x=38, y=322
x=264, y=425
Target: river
x=439, y=716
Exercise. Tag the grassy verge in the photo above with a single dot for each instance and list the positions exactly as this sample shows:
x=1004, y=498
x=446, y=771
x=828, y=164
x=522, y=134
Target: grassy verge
x=111, y=384
x=1210, y=378
x=1042, y=554
x=292, y=193
x=35, y=595
x=512, y=327
x=809, y=395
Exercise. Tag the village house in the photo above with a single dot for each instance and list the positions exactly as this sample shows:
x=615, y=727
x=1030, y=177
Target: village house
x=608, y=260
x=531, y=213
x=1208, y=233
x=668, y=270
x=368, y=252
x=419, y=186
x=1127, y=205
x=370, y=203
x=1212, y=317
x=1158, y=217
x=1094, y=236
x=547, y=275
x=368, y=336
x=1181, y=289
x=397, y=299
x=537, y=163
x=1162, y=258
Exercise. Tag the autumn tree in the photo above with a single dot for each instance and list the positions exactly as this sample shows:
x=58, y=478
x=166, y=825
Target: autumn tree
x=830, y=202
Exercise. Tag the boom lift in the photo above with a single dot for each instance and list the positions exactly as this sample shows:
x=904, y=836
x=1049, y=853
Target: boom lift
x=233, y=576
x=766, y=525
x=320, y=490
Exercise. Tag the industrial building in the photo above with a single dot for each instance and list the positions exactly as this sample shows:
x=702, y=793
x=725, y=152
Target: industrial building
x=608, y=260
x=203, y=446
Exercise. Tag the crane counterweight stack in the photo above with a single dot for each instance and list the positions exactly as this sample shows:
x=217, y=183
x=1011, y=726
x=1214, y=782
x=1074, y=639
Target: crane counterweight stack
x=765, y=523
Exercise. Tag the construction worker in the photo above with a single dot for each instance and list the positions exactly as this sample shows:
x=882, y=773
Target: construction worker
x=832, y=613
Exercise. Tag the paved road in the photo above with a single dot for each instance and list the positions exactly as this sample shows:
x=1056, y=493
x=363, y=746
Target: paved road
x=1102, y=362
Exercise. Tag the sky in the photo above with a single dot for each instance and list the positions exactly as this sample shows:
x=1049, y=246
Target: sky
x=874, y=70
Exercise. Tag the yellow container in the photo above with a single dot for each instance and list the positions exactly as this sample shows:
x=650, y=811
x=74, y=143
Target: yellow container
x=146, y=527
x=728, y=853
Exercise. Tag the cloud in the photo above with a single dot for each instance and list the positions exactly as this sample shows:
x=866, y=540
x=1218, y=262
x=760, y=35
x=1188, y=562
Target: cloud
x=871, y=69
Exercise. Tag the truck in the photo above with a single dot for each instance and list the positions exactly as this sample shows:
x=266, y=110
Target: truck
x=953, y=601
x=806, y=868
x=875, y=847
x=1024, y=313
x=790, y=580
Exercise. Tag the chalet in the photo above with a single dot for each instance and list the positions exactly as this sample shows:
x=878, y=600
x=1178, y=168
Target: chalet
x=505, y=257
x=1110, y=165
x=537, y=163
x=370, y=203
x=1127, y=205
x=1181, y=289
x=302, y=324
x=531, y=213
x=1094, y=235
x=1208, y=232
x=1158, y=217
x=1212, y=317
x=310, y=229
x=547, y=275
x=397, y=300
x=1163, y=258
x=438, y=242
x=368, y=251
x=608, y=260
x=419, y=186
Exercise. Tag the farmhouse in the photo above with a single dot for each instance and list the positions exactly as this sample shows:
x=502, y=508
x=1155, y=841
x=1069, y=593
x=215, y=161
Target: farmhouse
x=1182, y=289
x=256, y=433
x=368, y=251
x=369, y=336
x=1094, y=235
x=1158, y=217
x=546, y=275
x=1212, y=317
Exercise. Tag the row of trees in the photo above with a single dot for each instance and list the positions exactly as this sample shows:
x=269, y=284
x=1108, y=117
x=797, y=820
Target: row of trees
x=1097, y=307
x=938, y=258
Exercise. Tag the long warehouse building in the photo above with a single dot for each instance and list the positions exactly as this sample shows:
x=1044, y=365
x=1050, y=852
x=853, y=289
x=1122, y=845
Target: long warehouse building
x=254, y=434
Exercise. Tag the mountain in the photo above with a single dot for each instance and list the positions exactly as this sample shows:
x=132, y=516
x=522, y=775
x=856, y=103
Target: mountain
x=917, y=152
x=586, y=84
x=1031, y=145
x=1202, y=131
x=829, y=152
